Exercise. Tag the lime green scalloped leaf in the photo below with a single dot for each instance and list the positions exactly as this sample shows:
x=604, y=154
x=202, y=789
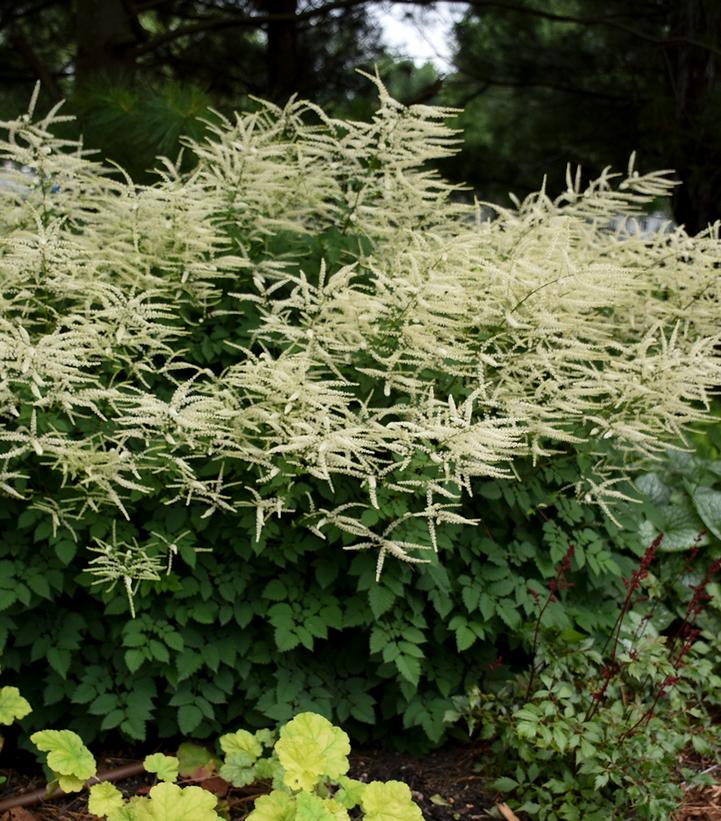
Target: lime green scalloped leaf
x=68, y=757
x=277, y=806
x=389, y=801
x=267, y=769
x=241, y=742
x=236, y=770
x=309, y=747
x=69, y=783
x=266, y=737
x=164, y=766
x=350, y=792
x=310, y=807
x=13, y=706
x=128, y=812
x=195, y=761
x=169, y=802
x=105, y=799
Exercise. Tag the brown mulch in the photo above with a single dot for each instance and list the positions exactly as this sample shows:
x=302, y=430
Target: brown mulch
x=447, y=784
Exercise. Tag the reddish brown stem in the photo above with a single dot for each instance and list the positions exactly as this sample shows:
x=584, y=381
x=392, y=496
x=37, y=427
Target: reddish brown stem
x=36, y=796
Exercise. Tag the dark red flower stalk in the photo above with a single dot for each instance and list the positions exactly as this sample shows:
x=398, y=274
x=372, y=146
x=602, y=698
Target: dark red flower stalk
x=631, y=585
x=560, y=582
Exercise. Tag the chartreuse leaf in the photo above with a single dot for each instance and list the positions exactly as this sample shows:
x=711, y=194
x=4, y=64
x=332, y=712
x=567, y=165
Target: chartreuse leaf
x=68, y=758
x=169, y=802
x=310, y=807
x=277, y=806
x=241, y=742
x=310, y=747
x=13, y=706
x=165, y=766
x=389, y=801
x=105, y=799
x=237, y=771
x=241, y=752
x=350, y=792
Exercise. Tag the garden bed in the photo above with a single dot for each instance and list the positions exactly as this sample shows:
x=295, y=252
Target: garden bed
x=447, y=784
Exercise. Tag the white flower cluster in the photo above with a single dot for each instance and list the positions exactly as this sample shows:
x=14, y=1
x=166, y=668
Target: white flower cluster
x=432, y=348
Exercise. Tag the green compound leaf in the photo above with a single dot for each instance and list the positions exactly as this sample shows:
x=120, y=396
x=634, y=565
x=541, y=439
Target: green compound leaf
x=105, y=799
x=169, y=802
x=277, y=806
x=13, y=706
x=68, y=757
x=310, y=807
x=241, y=742
x=389, y=801
x=165, y=766
x=309, y=747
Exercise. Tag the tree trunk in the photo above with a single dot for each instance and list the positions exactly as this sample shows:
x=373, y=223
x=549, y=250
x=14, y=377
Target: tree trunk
x=694, y=82
x=105, y=41
x=284, y=71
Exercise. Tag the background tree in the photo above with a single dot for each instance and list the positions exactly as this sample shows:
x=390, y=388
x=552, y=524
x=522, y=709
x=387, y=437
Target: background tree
x=589, y=81
x=543, y=84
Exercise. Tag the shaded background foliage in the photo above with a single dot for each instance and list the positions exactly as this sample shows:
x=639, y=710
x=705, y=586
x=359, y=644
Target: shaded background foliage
x=582, y=81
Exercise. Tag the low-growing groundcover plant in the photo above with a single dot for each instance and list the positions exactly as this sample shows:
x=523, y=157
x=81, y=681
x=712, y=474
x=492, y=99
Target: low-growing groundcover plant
x=296, y=429
x=307, y=768
x=596, y=729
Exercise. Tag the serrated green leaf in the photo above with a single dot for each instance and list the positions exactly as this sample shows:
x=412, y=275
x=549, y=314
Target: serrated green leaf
x=164, y=766
x=13, y=706
x=380, y=599
x=309, y=807
x=350, y=792
x=189, y=717
x=169, y=802
x=310, y=747
x=277, y=806
x=241, y=742
x=67, y=755
x=238, y=769
x=389, y=801
x=105, y=799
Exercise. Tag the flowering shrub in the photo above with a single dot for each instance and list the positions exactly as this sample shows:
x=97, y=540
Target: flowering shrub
x=311, y=357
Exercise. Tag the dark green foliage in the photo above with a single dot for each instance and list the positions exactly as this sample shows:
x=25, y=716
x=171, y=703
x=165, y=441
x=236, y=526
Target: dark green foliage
x=265, y=629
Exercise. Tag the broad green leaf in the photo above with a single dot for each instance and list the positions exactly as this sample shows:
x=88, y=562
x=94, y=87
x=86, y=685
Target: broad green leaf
x=70, y=783
x=67, y=755
x=105, y=798
x=238, y=769
x=169, y=802
x=310, y=807
x=708, y=506
x=389, y=801
x=350, y=792
x=192, y=757
x=278, y=806
x=309, y=747
x=165, y=766
x=12, y=705
x=241, y=742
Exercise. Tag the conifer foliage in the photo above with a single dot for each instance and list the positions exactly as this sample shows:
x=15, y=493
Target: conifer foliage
x=309, y=342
